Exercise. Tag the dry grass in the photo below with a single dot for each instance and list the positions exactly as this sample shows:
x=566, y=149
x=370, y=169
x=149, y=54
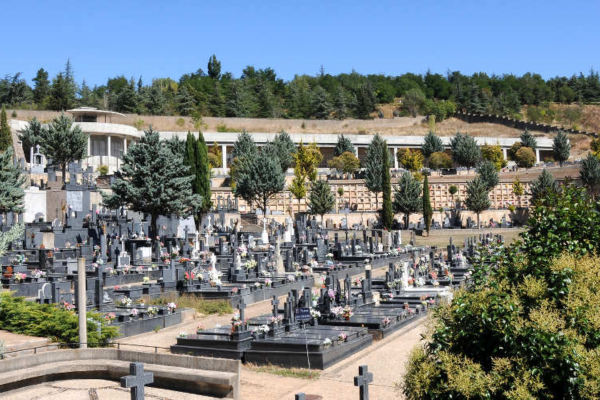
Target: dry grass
x=300, y=373
x=440, y=238
x=206, y=307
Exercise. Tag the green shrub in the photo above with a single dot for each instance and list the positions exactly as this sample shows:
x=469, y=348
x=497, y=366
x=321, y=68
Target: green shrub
x=440, y=160
x=528, y=327
x=51, y=321
x=525, y=157
x=224, y=128
x=103, y=170
x=180, y=122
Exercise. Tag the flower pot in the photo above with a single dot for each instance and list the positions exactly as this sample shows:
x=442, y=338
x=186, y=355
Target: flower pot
x=347, y=318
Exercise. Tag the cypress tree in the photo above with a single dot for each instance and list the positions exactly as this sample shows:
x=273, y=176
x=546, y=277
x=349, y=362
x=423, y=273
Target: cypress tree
x=343, y=145
x=5, y=133
x=63, y=143
x=542, y=187
x=427, y=211
x=201, y=183
x=153, y=180
x=407, y=198
x=321, y=200
x=431, y=144
x=11, y=184
x=527, y=140
x=561, y=146
x=373, y=164
x=477, y=197
x=387, y=214
x=489, y=175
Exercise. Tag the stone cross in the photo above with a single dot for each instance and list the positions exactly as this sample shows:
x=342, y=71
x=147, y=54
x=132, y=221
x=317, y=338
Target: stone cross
x=137, y=380
x=275, y=303
x=362, y=381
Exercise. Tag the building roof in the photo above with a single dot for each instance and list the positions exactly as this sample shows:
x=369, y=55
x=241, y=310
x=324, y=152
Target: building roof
x=93, y=111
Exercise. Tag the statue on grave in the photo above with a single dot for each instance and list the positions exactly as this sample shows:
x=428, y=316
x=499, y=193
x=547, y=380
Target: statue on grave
x=278, y=259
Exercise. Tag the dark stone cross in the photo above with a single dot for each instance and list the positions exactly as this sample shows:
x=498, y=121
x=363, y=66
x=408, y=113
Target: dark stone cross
x=362, y=381
x=242, y=307
x=137, y=380
x=275, y=303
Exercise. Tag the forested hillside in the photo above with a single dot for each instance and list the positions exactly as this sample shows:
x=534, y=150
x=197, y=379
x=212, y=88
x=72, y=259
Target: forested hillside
x=260, y=93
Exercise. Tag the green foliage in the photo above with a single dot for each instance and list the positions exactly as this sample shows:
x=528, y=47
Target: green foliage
x=153, y=180
x=63, y=143
x=527, y=140
x=31, y=136
x=512, y=152
x=214, y=67
x=387, y=214
x=5, y=133
x=525, y=158
x=518, y=188
x=373, y=164
x=427, y=210
x=477, y=196
x=440, y=160
x=103, y=170
x=306, y=161
x=196, y=158
x=139, y=124
x=347, y=163
x=413, y=101
x=11, y=184
x=410, y=159
x=284, y=148
x=488, y=174
x=244, y=146
x=453, y=189
x=589, y=173
x=62, y=94
x=431, y=144
x=494, y=154
x=266, y=166
x=321, y=199
x=343, y=145
x=465, y=151
x=321, y=108
x=407, y=197
x=561, y=146
x=543, y=187
x=49, y=320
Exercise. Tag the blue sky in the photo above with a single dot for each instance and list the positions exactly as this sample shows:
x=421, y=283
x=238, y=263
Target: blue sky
x=169, y=38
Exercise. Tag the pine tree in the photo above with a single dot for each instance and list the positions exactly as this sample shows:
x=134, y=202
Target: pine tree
x=153, y=180
x=176, y=145
x=42, y=86
x=127, y=99
x=244, y=146
x=216, y=102
x=431, y=144
x=63, y=143
x=477, y=197
x=527, y=140
x=407, y=197
x=284, y=148
x=427, y=211
x=589, y=174
x=31, y=136
x=62, y=96
x=543, y=187
x=561, y=147
x=186, y=103
x=155, y=101
x=488, y=174
x=259, y=178
x=387, y=214
x=365, y=102
x=214, y=67
x=343, y=145
x=340, y=108
x=5, y=132
x=320, y=104
x=321, y=200
x=465, y=151
x=11, y=184
x=373, y=164
x=85, y=95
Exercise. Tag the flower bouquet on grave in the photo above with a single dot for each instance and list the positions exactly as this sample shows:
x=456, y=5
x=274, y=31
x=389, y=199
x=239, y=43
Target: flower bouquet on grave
x=139, y=269
x=171, y=307
x=19, y=277
x=67, y=306
x=347, y=313
x=342, y=337
x=152, y=311
x=327, y=343
x=37, y=274
x=250, y=264
x=406, y=306
x=316, y=314
x=125, y=301
x=268, y=282
x=275, y=321
x=214, y=277
x=200, y=328
x=387, y=295
x=257, y=285
x=133, y=313
x=435, y=283
x=182, y=335
x=189, y=276
x=357, y=281
x=290, y=279
x=410, y=281
x=146, y=280
x=236, y=323
x=315, y=296
x=331, y=294
x=110, y=318
x=433, y=275
x=386, y=321
x=234, y=291
x=126, y=269
x=184, y=260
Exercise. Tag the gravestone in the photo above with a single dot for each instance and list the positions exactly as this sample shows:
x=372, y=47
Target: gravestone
x=137, y=380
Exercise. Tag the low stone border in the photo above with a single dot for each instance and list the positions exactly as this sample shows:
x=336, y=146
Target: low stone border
x=198, y=375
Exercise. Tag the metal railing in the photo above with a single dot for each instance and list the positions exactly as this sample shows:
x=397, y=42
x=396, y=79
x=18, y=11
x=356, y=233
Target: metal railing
x=73, y=346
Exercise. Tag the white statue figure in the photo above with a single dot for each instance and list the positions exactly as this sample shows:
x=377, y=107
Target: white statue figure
x=265, y=236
